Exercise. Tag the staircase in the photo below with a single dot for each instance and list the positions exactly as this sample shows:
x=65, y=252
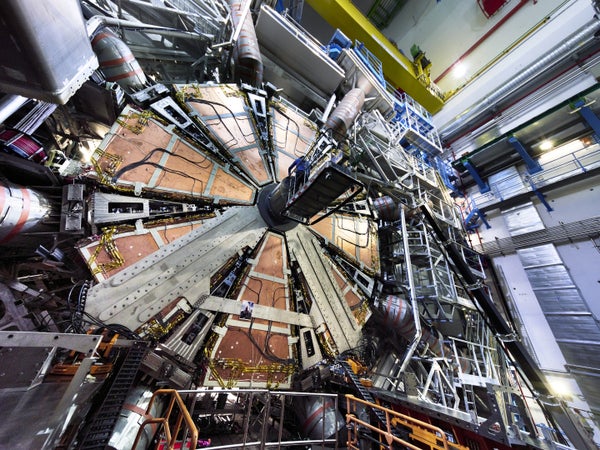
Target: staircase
x=363, y=392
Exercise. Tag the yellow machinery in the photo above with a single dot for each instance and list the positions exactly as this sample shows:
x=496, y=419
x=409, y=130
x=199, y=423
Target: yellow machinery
x=399, y=70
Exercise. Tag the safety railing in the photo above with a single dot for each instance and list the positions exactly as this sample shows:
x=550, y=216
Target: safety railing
x=171, y=430
x=421, y=434
x=478, y=362
x=563, y=167
x=258, y=417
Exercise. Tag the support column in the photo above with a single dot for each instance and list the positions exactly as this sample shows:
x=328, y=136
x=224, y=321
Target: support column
x=483, y=186
x=588, y=115
x=532, y=165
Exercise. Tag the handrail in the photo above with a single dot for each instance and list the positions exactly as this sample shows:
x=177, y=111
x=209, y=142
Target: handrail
x=423, y=432
x=183, y=415
x=554, y=170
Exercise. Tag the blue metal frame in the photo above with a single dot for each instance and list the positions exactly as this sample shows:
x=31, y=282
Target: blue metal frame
x=540, y=196
x=483, y=186
x=589, y=116
x=532, y=165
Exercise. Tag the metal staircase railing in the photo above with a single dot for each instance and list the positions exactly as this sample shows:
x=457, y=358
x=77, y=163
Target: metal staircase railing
x=415, y=434
x=171, y=434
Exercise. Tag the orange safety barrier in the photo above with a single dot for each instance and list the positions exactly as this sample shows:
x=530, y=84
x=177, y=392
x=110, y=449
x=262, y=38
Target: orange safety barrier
x=170, y=435
x=433, y=437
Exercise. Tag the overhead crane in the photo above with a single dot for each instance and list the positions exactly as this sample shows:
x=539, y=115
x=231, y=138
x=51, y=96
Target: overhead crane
x=398, y=69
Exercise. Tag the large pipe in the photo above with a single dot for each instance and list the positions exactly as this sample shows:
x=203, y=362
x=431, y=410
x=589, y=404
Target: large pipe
x=550, y=59
x=318, y=417
x=402, y=318
x=117, y=62
x=246, y=53
x=95, y=22
x=342, y=117
x=398, y=315
x=22, y=210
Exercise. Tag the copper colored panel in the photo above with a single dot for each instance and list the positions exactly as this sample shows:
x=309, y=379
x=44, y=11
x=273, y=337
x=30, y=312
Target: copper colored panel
x=131, y=147
x=356, y=237
x=253, y=162
x=293, y=134
x=223, y=110
x=130, y=247
x=266, y=283
x=271, y=260
x=352, y=299
x=226, y=186
x=186, y=170
x=142, y=153
x=251, y=356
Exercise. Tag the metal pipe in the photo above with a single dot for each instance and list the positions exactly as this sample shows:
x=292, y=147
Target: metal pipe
x=550, y=59
x=343, y=116
x=413, y=295
x=246, y=53
x=95, y=22
x=9, y=104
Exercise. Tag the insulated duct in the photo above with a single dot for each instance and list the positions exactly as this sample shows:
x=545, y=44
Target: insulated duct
x=398, y=315
x=246, y=53
x=22, y=210
x=343, y=116
x=546, y=62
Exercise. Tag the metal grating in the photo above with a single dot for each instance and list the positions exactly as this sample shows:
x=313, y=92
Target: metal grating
x=554, y=277
x=576, y=331
x=581, y=354
x=585, y=325
x=539, y=256
x=567, y=232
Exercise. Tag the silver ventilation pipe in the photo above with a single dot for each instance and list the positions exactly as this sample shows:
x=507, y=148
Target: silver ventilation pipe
x=246, y=53
x=551, y=58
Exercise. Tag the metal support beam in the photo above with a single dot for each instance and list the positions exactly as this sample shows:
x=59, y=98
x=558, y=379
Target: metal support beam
x=532, y=165
x=483, y=186
x=589, y=116
x=397, y=68
x=540, y=196
x=517, y=351
x=84, y=343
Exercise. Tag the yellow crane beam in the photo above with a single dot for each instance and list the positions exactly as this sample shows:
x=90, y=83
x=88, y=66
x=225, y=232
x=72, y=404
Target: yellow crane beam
x=397, y=68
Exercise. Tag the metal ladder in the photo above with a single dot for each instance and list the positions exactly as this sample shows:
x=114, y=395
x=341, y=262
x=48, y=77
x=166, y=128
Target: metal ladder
x=100, y=430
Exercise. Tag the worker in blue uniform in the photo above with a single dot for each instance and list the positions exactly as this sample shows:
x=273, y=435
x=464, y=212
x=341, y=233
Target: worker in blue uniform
x=301, y=172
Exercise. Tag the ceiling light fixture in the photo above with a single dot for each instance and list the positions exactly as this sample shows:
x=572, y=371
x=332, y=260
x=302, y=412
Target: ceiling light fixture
x=460, y=70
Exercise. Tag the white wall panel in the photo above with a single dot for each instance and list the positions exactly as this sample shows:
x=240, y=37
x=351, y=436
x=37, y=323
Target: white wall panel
x=538, y=330
x=583, y=262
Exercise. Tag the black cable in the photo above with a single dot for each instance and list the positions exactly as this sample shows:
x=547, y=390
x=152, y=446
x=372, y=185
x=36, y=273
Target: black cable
x=212, y=105
x=144, y=161
x=115, y=327
x=289, y=119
